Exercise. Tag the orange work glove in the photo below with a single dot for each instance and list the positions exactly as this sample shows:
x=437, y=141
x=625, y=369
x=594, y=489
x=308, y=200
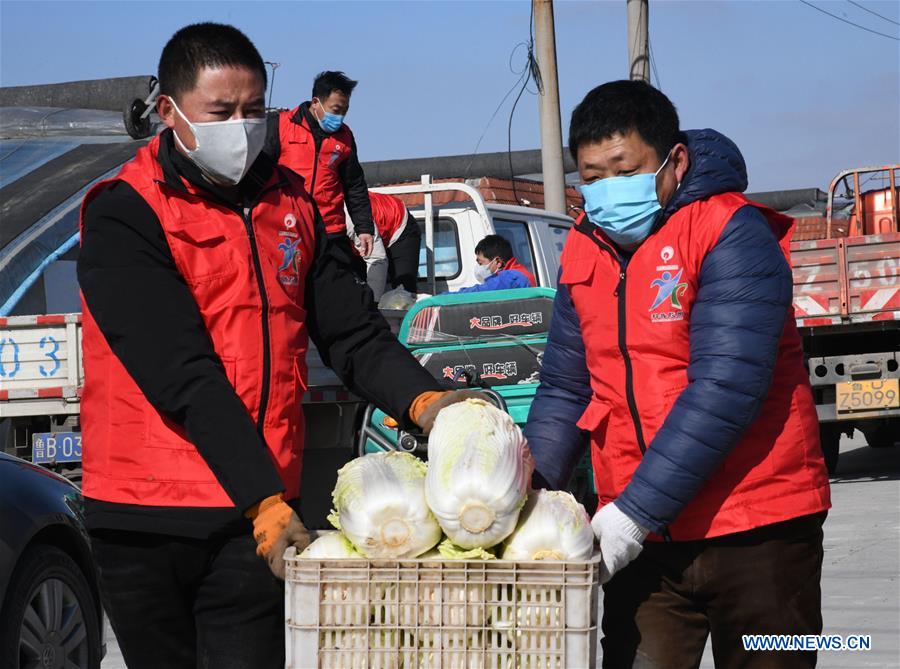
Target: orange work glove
x=426, y=406
x=275, y=527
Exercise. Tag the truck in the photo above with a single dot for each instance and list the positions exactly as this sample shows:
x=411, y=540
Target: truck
x=41, y=371
x=847, y=305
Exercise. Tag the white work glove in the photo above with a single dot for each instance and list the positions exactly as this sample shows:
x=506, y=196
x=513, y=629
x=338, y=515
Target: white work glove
x=621, y=539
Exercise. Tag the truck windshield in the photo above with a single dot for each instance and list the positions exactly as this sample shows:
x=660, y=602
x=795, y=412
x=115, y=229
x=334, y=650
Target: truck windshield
x=447, y=263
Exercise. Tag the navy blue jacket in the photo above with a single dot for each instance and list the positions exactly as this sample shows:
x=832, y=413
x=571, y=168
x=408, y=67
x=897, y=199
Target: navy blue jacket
x=743, y=300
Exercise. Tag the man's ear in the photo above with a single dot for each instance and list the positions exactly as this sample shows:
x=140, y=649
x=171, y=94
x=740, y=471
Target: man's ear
x=682, y=160
x=166, y=110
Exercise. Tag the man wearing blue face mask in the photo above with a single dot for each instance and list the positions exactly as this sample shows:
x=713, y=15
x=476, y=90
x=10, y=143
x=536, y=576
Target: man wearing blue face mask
x=674, y=351
x=314, y=141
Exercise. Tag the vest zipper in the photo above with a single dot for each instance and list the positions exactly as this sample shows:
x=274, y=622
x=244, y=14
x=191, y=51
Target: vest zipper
x=317, y=144
x=264, y=299
x=629, y=377
x=629, y=374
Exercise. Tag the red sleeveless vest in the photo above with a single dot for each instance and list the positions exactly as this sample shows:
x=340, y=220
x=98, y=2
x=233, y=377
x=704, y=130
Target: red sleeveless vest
x=776, y=472
x=514, y=264
x=132, y=454
x=389, y=214
x=320, y=172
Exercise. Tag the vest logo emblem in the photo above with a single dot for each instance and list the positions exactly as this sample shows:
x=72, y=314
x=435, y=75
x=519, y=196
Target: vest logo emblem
x=667, y=254
x=289, y=271
x=669, y=288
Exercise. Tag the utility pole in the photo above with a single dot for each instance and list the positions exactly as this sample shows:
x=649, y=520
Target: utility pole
x=638, y=54
x=551, y=129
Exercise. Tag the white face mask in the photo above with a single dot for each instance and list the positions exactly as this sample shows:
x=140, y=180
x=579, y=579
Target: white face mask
x=225, y=149
x=482, y=272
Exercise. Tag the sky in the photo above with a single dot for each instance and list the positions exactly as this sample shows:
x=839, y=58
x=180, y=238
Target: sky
x=803, y=94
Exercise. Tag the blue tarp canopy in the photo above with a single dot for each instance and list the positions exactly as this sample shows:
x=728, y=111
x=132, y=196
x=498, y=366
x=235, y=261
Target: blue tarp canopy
x=49, y=158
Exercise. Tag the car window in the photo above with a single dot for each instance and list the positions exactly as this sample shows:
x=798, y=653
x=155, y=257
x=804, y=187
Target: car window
x=558, y=239
x=447, y=263
x=516, y=233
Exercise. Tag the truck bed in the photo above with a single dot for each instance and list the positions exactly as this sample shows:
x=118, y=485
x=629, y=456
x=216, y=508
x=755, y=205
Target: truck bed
x=42, y=373
x=849, y=280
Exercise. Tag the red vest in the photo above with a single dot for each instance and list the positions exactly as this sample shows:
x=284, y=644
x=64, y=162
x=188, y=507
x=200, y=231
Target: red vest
x=389, y=214
x=132, y=454
x=776, y=472
x=319, y=170
x=512, y=263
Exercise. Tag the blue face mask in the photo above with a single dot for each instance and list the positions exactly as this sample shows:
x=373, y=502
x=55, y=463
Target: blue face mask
x=330, y=122
x=625, y=208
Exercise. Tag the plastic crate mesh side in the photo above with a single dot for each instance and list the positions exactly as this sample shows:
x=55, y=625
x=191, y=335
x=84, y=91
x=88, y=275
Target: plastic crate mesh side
x=427, y=613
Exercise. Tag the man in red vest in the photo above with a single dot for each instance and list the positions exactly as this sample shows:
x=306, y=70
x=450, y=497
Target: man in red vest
x=394, y=261
x=674, y=349
x=313, y=140
x=204, y=271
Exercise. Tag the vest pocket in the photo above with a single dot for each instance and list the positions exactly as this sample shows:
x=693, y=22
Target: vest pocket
x=577, y=270
x=594, y=417
x=204, y=253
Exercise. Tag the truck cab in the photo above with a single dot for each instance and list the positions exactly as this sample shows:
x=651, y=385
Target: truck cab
x=451, y=231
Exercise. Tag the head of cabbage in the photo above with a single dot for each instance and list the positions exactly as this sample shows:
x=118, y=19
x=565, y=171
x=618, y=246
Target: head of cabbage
x=379, y=505
x=330, y=545
x=479, y=473
x=553, y=526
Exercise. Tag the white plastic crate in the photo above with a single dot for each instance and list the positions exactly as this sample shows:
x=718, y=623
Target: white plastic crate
x=434, y=614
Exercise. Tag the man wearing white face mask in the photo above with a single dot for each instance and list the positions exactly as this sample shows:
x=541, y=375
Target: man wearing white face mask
x=204, y=270
x=497, y=268
x=674, y=352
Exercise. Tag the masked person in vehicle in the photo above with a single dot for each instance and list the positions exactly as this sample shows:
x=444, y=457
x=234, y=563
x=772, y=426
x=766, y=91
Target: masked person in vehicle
x=496, y=267
x=674, y=348
x=204, y=272
x=313, y=140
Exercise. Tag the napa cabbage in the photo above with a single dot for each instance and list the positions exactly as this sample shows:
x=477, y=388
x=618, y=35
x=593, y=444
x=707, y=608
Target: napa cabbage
x=379, y=505
x=330, y=546
x=553, y=526
x=479, y=472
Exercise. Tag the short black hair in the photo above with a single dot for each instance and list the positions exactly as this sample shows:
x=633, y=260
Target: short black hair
x=327, y=82
x=619, y=107
x=202, y=45
x=495, y=246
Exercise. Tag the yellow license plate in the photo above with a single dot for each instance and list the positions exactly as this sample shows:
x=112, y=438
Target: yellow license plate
x=856, y=396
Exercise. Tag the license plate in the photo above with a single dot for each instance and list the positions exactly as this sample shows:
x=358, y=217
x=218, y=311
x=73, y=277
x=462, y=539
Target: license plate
x=52, y=447
x=855, y=396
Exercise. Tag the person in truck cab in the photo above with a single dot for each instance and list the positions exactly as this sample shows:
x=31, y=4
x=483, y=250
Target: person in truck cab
x=313, y=140
x=497, y=267
x=204, y=271
x=673, y=347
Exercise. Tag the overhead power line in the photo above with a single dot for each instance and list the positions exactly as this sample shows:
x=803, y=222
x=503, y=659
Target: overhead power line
x=653, y=62
x=856, y=25
x=866, y=9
